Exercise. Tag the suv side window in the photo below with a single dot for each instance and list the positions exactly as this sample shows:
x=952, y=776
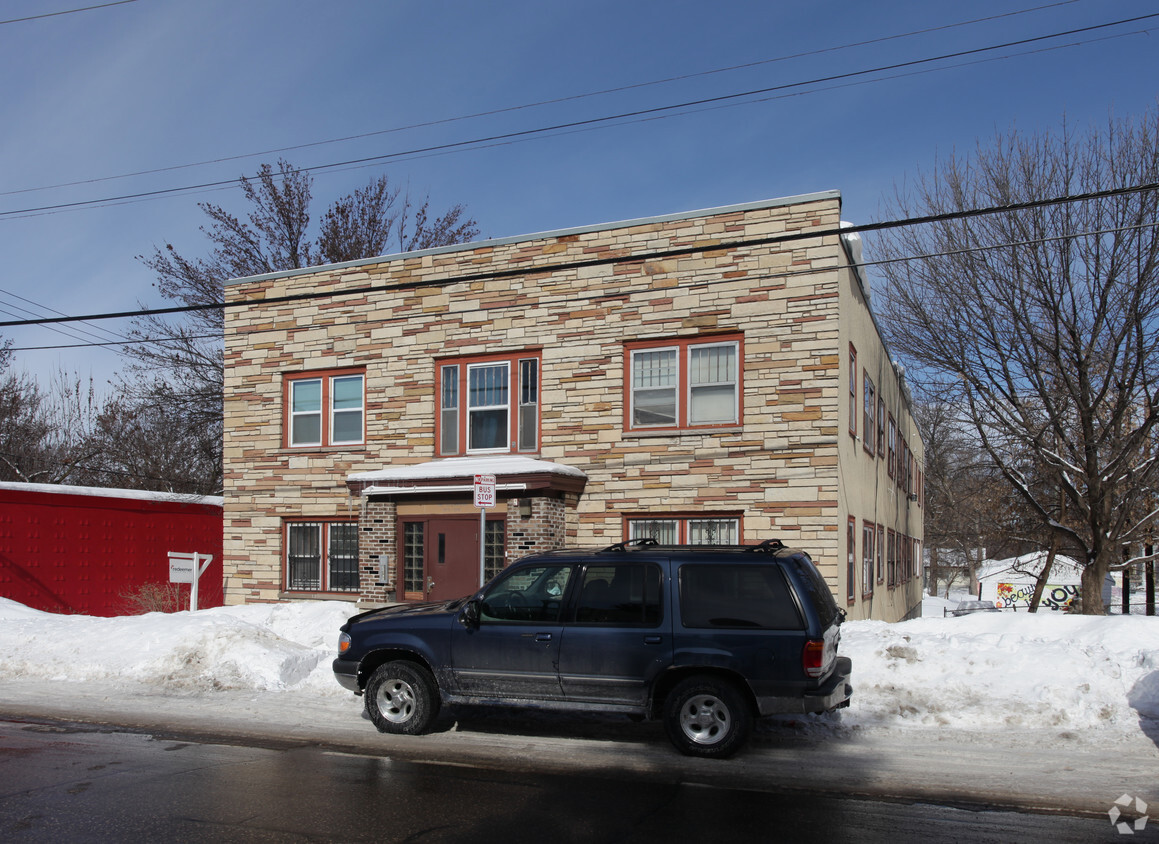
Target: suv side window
x=748, y=596
x=532, y=594
x=623, y=595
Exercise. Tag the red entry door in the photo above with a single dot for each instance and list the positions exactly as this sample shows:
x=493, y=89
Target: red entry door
x=448, y=549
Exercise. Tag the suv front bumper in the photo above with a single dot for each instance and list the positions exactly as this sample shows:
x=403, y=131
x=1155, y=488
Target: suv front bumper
x=346, y=673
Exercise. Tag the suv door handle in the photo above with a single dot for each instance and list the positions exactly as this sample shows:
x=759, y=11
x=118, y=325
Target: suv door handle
x=543, y=637
x=653, y=640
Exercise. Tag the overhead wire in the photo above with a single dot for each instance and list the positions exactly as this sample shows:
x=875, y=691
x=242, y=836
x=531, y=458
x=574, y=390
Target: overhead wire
x=656, y=254
x=552, y=101
x=606, y=119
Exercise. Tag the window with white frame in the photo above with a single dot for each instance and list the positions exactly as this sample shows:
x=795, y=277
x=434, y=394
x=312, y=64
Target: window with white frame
x=687, y=530
x=691, y=383
x=868, y=553
x=489, y=405
x=322, y=556
x=869, y=423
x=325, y=409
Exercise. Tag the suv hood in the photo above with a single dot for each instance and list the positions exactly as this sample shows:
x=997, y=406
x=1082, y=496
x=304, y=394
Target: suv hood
x=408, y=610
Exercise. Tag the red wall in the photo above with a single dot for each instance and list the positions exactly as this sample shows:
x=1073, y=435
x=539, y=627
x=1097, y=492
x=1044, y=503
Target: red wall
x=67, y=550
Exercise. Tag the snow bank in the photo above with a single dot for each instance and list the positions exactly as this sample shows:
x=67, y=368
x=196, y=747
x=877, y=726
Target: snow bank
x=988, y=671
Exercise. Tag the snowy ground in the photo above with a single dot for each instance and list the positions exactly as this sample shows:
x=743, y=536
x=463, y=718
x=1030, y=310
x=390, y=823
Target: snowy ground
x=996, y=671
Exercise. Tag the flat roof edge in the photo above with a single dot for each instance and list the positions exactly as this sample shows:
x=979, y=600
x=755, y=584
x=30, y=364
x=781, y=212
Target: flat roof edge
x=505, y=241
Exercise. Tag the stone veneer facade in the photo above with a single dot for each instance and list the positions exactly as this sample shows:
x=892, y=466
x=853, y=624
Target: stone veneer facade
x=775, y=273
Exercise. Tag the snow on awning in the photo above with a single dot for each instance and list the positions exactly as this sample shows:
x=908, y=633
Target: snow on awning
x=457, y=474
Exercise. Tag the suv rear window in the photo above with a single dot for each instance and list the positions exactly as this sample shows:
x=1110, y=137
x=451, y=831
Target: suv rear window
x=816, y=590
x=750, y=596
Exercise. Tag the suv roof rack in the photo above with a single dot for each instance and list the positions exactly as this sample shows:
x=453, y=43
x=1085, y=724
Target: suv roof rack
x=768, y=545
x=642, y=541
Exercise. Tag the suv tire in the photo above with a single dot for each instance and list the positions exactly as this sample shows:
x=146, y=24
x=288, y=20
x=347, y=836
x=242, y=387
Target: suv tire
x=707, y=716
x=402, y=698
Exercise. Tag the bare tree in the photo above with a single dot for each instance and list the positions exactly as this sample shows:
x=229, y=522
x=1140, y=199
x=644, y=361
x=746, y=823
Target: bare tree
x=1044, y=321
x=179, y=364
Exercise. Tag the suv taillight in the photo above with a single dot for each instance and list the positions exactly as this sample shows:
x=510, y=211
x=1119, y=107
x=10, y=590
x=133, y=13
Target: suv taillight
x=813, y=657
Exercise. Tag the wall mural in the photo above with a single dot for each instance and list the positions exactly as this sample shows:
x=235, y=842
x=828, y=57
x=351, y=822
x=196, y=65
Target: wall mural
x=1012, y=595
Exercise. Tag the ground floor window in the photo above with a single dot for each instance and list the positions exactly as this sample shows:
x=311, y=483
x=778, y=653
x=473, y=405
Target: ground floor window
x=322, y=556
x=687, y=530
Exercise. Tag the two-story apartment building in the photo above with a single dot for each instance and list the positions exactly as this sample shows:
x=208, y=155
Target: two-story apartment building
x=714, y=376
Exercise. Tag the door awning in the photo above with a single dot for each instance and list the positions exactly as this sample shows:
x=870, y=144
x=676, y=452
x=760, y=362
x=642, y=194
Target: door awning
x=456, y=475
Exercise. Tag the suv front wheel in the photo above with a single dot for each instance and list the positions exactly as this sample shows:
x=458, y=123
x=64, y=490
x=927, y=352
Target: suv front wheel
x=402, y=698
x=707, y=716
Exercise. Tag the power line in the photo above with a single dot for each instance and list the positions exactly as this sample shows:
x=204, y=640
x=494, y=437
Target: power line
x=654, y=111
x=67, y=12
x=553, y=101
x=539, y=269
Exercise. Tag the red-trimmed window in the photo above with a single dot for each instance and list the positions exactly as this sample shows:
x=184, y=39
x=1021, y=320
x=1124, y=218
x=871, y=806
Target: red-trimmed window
x=868, y=552
x=697, y=529
x=321, y=556
x=891, y=558
x=683, y=384
x=881, y=427
x=489, y=404
x=869, y=400
x=880, y=553
x=852, y=391
x=851, y=560
x=892, y=447
x=325, y=409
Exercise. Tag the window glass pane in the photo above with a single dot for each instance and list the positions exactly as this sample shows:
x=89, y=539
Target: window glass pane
x=737, y=596
x=304, y=556
x=347, y=427
x=620, y=595
x=413, y=550
x=654, y=380
x=662, y=530
x=487, y=405
x=528, y=404
x=712, y=531
x=533, y=594
x=306, y=412
x=712, y=379
x=347, y=392
x=494, y=549
x=307, y=395
x=449, y=423
x=344, y=556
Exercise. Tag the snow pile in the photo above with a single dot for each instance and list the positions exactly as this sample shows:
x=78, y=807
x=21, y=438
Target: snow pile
x=987, y=671
x=259, y=647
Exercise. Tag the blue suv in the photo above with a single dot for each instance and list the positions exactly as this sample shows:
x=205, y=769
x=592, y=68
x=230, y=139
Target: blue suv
x=707, y=638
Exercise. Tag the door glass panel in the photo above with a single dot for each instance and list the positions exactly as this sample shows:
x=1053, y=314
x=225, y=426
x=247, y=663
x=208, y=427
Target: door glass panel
x=412, y=556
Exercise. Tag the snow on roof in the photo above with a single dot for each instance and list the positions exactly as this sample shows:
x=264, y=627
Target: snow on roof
x=1063, y=570
x=106, y=492
x=462, y=467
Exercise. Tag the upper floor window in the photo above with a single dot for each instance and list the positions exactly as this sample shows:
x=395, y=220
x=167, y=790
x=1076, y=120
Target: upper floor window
x=869, y=423
x=325, y=409
x=684, y=383
x=489, y=405
x=892, y=446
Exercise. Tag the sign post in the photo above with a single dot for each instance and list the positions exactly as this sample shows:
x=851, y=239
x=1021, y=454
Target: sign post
x=187, y=567
x=484, y=498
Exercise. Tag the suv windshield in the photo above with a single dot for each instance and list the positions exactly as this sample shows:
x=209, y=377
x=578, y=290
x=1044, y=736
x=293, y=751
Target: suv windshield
x=816, y=590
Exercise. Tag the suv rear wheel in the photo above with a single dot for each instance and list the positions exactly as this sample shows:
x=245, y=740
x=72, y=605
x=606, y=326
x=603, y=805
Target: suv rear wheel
x=707, y=716
x=402, y=698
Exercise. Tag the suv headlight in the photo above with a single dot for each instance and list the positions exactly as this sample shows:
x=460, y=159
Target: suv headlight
x=343, y=642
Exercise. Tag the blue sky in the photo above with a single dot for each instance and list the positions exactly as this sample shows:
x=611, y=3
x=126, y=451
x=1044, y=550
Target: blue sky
x=205, y=90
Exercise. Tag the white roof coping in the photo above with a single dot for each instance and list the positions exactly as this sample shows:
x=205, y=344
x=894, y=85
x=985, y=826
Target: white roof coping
x=459, y=467
x=107, y=492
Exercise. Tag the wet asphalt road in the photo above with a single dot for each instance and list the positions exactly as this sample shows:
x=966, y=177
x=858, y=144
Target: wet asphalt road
x=61, y=782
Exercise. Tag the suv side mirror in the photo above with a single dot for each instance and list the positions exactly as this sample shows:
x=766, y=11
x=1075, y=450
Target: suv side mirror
x=469, y=614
